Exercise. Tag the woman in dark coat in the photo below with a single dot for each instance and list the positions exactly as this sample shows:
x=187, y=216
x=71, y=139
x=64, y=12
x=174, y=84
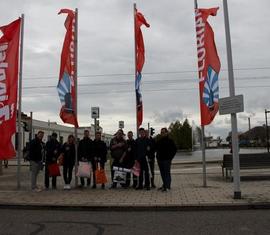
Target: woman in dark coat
x=68, y=151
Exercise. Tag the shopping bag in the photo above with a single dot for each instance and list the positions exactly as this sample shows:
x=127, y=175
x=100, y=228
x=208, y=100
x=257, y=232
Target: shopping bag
x=119, y=177
x=136, y=169
x=84, y=170
x=101, y=177
x=54, y=169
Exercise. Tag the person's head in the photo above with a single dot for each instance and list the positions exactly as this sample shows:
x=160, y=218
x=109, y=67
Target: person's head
x=40, y=135
x=130, y=135
x=142, y=133
x=70, y=139
x=86, y=134
x=54, y=136
x=120, y=134
x=98, y=135
x=164, y=132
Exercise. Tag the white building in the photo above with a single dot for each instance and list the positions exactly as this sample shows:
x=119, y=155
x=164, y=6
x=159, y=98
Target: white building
x=62, y=131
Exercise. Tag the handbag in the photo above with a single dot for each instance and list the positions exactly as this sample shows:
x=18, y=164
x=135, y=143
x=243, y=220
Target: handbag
x=54, y=169
x=60, y=159
x=100, y=174
x=136, y=169
x=84, y=170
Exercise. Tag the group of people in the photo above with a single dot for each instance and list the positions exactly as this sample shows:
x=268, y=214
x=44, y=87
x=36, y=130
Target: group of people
x=125, y=154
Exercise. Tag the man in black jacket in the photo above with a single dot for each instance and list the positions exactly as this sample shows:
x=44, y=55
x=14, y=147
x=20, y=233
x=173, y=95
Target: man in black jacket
x=99, y=156
x=142, y=153
x=52, y=152
x=36, y=156
x=166, y=151
x=85, y=153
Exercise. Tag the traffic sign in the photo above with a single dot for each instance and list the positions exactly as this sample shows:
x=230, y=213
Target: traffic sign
x=95, y=112
x=121, y=124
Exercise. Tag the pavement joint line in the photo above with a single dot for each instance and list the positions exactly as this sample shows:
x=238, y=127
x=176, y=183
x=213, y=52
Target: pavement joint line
x=142, y=207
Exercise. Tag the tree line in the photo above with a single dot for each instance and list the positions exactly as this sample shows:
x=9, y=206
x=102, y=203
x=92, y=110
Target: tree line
x=181, y=133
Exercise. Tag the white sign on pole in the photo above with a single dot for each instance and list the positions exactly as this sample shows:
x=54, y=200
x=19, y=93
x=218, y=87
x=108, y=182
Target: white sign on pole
x=95, y=112
x=234, y=104
x=121, y=124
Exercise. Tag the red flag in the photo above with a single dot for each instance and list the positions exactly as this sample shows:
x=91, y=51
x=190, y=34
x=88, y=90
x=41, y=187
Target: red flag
x=208, y=65
x=9, y=55
x=139, y=44
x=66, y=85
x=139, y=21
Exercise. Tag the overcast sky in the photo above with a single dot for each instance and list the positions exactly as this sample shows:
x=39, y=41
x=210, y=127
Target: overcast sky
x=106, y=59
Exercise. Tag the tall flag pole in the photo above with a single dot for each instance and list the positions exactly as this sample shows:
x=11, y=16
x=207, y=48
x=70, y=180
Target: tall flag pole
x=135, y=67
x=208, y=69
x=67, y=85
x=9, y=63
x=76, y=94
x=235, y=150
x=139, y=20
x=19, y=150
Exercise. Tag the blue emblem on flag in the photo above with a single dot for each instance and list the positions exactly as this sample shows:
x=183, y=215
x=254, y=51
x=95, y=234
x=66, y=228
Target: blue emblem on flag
x=64, y=92
x=138, y=89
x=211, y=89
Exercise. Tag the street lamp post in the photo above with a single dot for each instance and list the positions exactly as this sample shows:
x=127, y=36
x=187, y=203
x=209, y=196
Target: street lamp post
x=267, y=133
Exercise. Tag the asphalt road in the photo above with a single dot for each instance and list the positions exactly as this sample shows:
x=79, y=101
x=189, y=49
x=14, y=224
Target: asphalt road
x=42, y=222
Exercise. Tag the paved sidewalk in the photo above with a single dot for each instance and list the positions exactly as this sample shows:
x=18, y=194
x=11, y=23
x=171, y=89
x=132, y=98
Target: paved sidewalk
x=187, y=192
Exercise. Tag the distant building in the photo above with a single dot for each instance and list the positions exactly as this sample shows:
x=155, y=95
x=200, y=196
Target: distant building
x=49, y=127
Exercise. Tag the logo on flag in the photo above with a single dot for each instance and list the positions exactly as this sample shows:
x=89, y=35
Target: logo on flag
x=210, y=92
x=208, y=65
x=64, y=91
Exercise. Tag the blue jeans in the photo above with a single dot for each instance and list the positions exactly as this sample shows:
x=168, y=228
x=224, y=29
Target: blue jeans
x=165, y=172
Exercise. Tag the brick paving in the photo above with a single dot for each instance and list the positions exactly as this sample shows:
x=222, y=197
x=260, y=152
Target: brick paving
x=186, y=190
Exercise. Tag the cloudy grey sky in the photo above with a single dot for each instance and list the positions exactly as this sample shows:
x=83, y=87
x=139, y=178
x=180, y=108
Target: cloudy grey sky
x=106, y=59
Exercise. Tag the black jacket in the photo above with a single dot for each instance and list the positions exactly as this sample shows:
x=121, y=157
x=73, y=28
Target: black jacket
x=85, y=149
x=52, y=150
x=69, y=154
x=100, y=150
x=36, y=150
x=143, y=147
x=130, y=156
x=166, y=149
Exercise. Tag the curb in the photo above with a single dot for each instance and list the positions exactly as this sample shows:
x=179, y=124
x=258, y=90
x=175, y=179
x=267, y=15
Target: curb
x=138, y=208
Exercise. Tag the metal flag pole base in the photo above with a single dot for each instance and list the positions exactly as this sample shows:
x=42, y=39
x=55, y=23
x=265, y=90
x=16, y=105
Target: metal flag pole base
x=203, y=158
x=237, y=195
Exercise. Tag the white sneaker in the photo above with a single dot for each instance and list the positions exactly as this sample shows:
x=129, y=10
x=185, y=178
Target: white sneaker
x=65, y=186
x=68, y=187
x=36, y=190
